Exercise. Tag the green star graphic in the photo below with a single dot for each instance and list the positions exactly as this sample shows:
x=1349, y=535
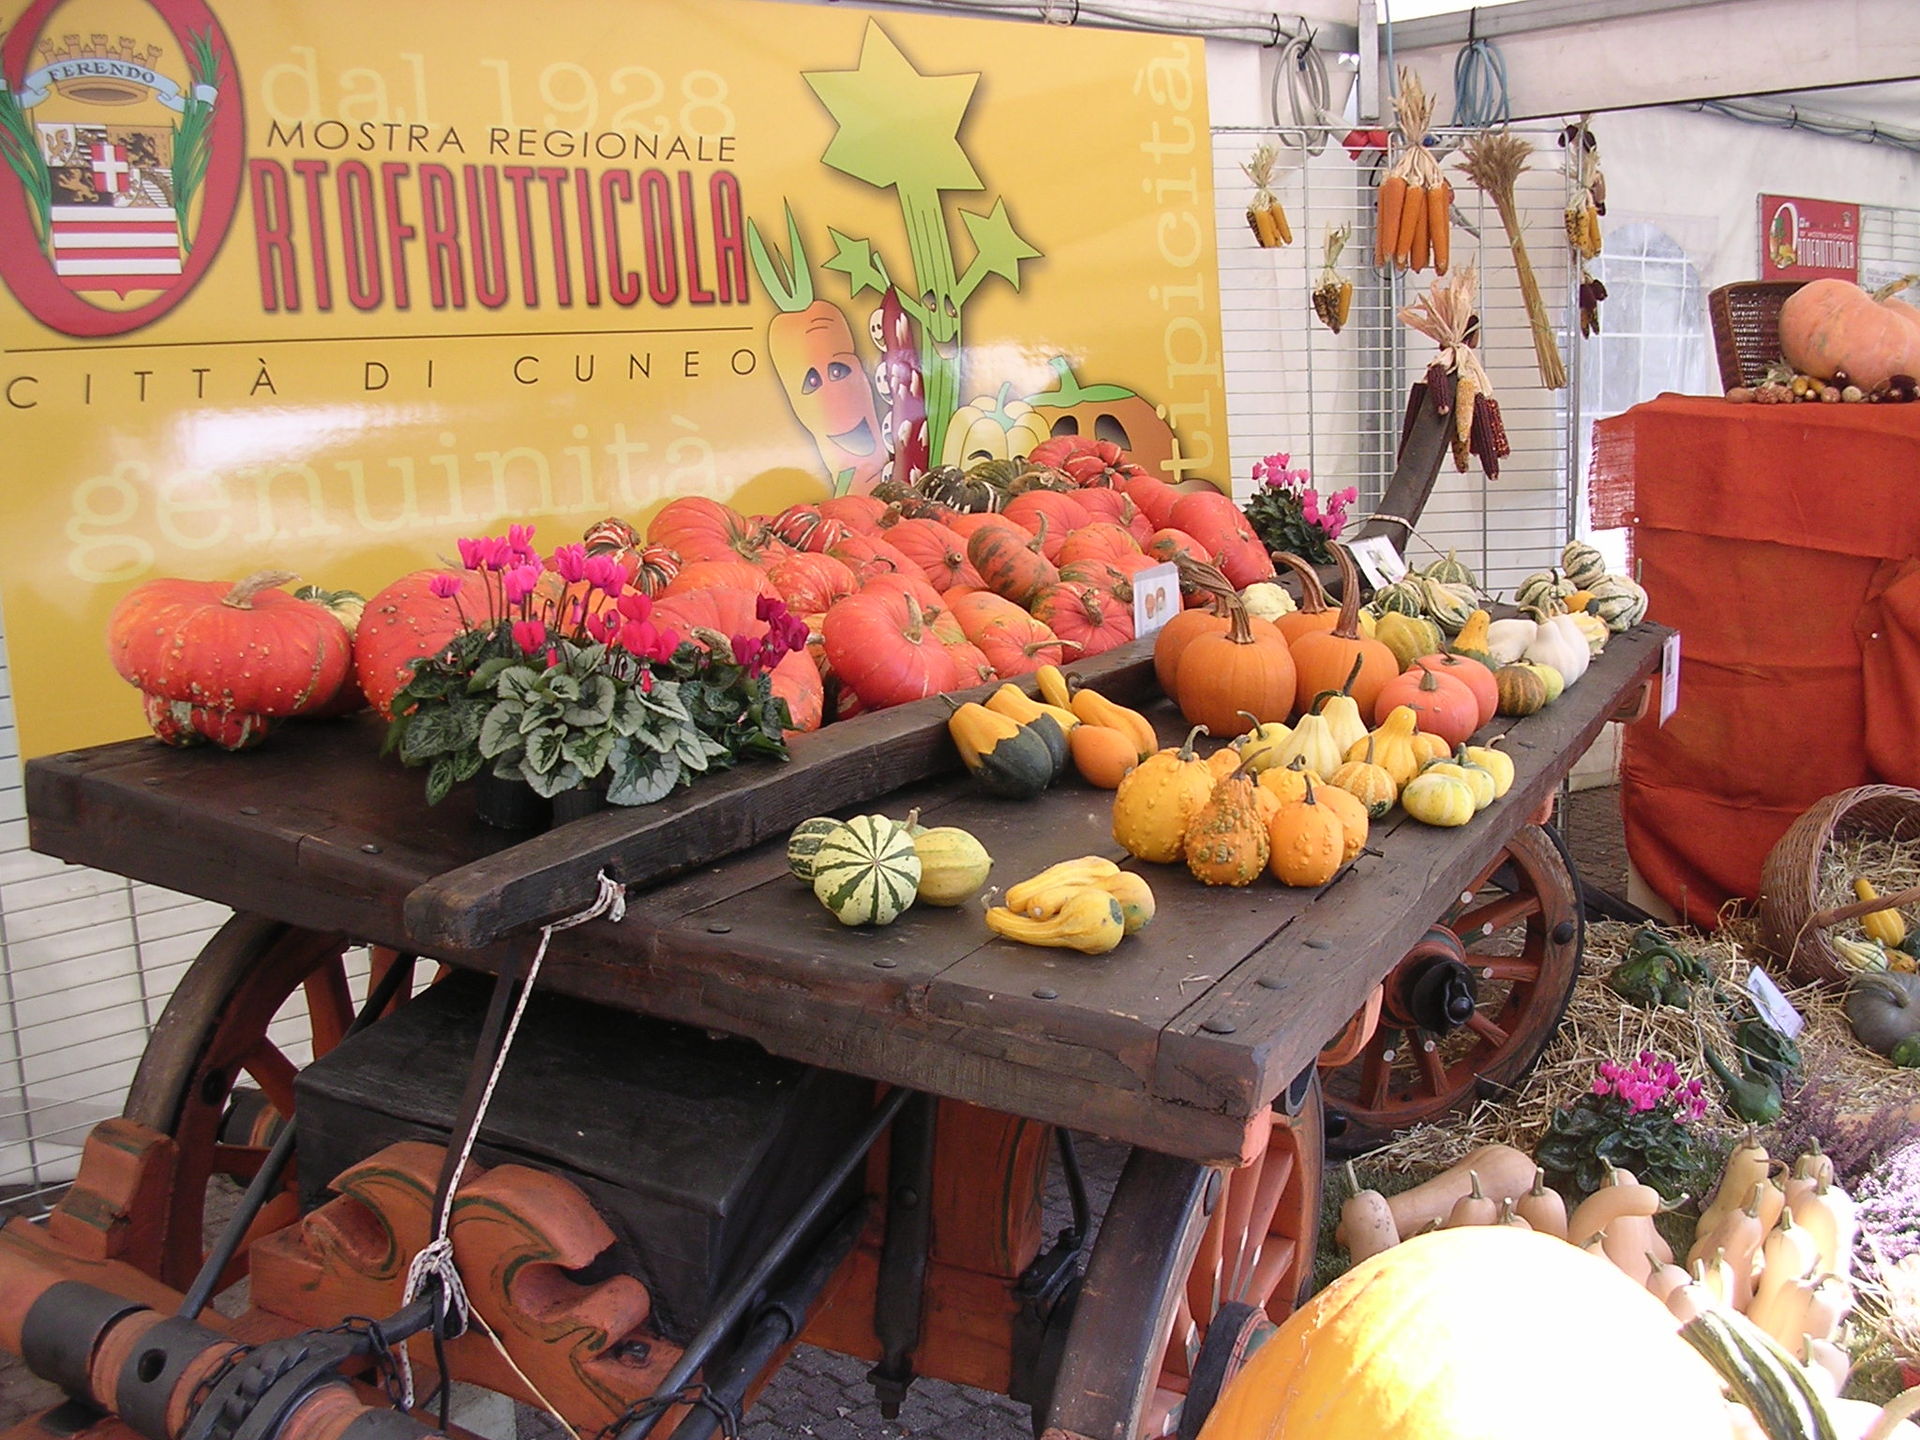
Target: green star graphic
x=998, y=249
x=896, y=125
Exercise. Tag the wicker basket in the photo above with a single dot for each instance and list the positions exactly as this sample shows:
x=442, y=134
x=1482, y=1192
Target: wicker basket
x=1790, y=880
x=1746, y=328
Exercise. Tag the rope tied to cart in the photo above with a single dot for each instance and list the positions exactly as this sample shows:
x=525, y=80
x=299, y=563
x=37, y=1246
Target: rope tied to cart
x=435, y=1263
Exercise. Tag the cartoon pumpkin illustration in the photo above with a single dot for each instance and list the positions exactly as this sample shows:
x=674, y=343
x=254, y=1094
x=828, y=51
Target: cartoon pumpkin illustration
x=993, y=427
x=813, y=352
x=1106, y=412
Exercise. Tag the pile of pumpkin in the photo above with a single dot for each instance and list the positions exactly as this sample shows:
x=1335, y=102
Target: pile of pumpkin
x=1773, y=1245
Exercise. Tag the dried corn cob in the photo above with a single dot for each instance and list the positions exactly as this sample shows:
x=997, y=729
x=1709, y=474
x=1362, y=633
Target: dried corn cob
x=1465, y=397
x=1333, y=292
x=1265, y=215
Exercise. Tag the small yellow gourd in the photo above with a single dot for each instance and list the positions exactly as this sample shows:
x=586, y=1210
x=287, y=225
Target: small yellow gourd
x=1438, y=799
x=1306, y=841
x=1342, y=715
x=1156, y=802
x=1475, y=779
x=1372, y=785
x=1135, y=897
x=953, y=865
x=1260, y=747
x=1042, y=895
x=1286, y=783
x=1312, y=740
x=1407, y=636
x=1886, y=926
x=1472, y=639
x=1392, y=746
x=1226, y=843
x=1090, y=922
x=1495, y=761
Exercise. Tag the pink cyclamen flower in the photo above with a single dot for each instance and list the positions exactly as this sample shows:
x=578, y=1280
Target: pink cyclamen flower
x=1601, y=1087
x=519, y=582
x=646, y=682
x=666, y=643
x=446, y=584
x=603, y=573
x=602, y=629
x=520, y=541
x=1332, y=525
x=529, y=635
x=746, y=652
x=639, y=637
x=571, y=562
x=472, y=552
x=635, y=606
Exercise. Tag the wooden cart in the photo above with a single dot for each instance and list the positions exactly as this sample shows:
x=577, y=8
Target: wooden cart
x=1226, y=1044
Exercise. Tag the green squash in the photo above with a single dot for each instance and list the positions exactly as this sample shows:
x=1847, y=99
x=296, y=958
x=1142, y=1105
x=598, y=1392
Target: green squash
x=1451, y=571
x=1403, y=597
x=866, y=872
x=1618, y=601
x=1582, y=564
x=803, y=843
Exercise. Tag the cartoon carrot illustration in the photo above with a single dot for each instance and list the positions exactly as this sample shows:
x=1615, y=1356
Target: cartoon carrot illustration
x=812, y=349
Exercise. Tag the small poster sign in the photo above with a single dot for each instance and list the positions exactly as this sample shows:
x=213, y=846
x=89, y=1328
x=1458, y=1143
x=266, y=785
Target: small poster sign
x=1156, y=598
x=1803, y=239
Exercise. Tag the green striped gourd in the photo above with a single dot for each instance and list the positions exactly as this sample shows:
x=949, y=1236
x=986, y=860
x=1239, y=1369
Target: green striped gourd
x=866, y=871
x=1618, y=601
x=1448, y=605
x=1545, y=593
x=1403, y=597
x=803, y=843
x=1582, y=564
x=1451, y=571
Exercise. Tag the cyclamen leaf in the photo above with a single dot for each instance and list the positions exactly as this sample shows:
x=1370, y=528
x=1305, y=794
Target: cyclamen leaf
x=595, y=706
x=500, y=731
x=516, y=684
x=441, y=778
x=431, y=732
x=645, y=778
x=562, y=686
x=544, y=749
x=589, y=752
x=488, y=673
x=560, y=779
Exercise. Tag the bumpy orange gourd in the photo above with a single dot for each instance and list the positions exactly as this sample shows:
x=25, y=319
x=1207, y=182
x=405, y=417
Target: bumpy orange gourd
x=1158, y=799
x=1324, y=661
x=1306, y=841
x=1562, y=1343
x=1227, y=841
x=1286, y=783
x=1223, y=676
x=1352, y=815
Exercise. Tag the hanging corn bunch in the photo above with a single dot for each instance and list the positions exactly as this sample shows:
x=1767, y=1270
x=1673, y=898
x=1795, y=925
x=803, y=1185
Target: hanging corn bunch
x=1412, y=224
x=1589, y=203
x=1495, y=161
x=1333, y=292
x=1266, y=217
x=1456, y=384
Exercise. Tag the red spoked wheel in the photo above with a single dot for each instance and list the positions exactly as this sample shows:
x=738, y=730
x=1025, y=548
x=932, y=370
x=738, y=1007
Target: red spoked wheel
x=1193, y=1268
x=1470, y=1008
x=218, y=1072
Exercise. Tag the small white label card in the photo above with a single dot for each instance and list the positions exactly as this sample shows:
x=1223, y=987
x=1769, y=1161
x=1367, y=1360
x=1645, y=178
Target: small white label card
x=1670, y=677
x=1378, y=560
x=1156, y=598
x=1774, y=1007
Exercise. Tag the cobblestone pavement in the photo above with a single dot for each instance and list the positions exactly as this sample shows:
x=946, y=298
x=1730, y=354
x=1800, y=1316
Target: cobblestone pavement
x=822, y=1396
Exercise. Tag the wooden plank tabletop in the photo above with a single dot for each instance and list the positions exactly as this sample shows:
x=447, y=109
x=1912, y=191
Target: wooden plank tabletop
x=1173, y=1041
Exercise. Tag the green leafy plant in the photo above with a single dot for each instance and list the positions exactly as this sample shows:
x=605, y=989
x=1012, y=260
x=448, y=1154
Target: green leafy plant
x=1287, y=513
x=594, y=693
x=1636, y=1117
x=190, y=142
x=20, y=148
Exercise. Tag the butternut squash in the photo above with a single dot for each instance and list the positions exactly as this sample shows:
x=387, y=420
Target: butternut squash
x=1366, y=1221
x=1504, y=1172
x=1473, y=1208
x=1826, y=1213
x=1746, y=1166
x=1609, y=1204
x=1543, y=1208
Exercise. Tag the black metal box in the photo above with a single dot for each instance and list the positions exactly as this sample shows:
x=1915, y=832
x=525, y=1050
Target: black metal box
x=695, y=1150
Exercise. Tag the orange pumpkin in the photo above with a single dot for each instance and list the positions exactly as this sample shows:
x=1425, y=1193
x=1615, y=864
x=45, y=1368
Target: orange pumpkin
x=702, y=529
x=938, y=551
x=1314, y=613
x=734, y=574
x=1830, y=325
x=1221, y=675
x=1441, y=704
x=407, y=622
x=1099, y=541
x=810, y=583
x=1472, y=674
x=248, y=647
x=1084, y=615
x=1011, y=563
x=1325, y=659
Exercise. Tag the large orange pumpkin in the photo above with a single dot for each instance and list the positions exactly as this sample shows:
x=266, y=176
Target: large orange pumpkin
x=407, y=622
x=1223, y=674
x=1324, y=658
x=1834, y=325
x=248, y=647
x=1484, y=1331
x=729, y=611
x=884, y=647
x=702, y=529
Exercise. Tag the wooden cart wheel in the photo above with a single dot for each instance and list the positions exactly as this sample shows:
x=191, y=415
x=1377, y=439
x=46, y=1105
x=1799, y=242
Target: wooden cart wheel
x=1472, y=1006
x=1192, y=1266
x=213, y=1078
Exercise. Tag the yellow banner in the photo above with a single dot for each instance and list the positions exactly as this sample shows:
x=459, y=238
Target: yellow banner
x=324, y=284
